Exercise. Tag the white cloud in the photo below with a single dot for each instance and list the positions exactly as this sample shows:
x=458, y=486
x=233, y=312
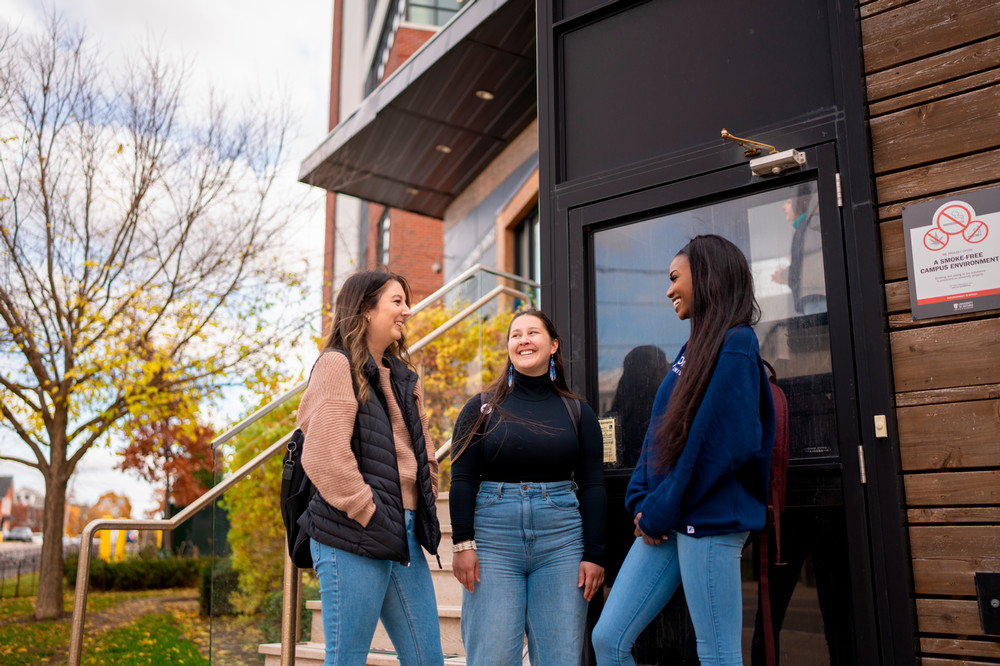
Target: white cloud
x=237, y=47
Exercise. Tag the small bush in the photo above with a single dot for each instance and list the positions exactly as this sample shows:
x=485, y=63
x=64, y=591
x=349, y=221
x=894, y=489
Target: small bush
x=136, y=574
x=218, y=584
x=270, y=621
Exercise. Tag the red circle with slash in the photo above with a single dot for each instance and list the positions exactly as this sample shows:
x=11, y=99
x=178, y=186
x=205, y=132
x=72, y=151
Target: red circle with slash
x=953, y=218
x=975, y=231
x=935, y=239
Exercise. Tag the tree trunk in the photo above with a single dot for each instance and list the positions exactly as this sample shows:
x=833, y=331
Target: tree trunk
x=50, y=578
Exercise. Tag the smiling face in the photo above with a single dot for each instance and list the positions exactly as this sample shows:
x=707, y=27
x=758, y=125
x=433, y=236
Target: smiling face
x=530, y=346
x=680, y=291
x=386, y=319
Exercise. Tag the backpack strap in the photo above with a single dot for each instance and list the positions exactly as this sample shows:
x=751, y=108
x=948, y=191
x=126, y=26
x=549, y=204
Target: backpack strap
x=572, y=406
x=776, y=505
x=574, y=409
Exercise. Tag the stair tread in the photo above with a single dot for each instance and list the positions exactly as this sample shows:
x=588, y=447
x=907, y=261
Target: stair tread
x=310, y=650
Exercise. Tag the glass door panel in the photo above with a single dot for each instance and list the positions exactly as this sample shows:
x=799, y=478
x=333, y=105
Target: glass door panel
x=639, y=336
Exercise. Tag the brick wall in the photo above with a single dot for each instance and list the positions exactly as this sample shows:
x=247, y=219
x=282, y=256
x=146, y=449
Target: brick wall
x=416, y=246
x=408, y=39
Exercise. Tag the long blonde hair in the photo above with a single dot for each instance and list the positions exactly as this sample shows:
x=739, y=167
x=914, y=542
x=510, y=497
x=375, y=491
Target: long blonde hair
x=359, y=294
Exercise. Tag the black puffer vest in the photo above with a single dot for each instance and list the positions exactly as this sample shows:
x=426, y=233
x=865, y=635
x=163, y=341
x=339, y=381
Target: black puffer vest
x=375, y=450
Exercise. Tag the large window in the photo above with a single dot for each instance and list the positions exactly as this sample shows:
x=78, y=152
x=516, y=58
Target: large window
x=639, y=335
x=431, y=12
x=527, y=261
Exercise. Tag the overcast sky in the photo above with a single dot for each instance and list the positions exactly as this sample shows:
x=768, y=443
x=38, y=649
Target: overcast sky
x=237, y=47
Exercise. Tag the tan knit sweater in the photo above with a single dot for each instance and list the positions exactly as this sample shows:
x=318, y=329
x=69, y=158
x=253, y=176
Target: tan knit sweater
x=326, y=416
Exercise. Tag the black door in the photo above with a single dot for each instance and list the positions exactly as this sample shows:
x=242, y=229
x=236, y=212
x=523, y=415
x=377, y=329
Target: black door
x=791, y=230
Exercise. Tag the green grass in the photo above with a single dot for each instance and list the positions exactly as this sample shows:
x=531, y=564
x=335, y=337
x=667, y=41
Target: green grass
x=152, y=639
x=24, y=640
x=31, y=642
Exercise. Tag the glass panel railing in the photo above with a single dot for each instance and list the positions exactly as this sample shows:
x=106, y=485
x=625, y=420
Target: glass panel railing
x=241, y=589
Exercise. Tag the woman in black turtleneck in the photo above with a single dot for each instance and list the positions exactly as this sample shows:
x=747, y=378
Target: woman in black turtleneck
x=527, y=507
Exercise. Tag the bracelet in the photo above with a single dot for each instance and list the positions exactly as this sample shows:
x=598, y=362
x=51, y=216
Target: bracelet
x=465, y=545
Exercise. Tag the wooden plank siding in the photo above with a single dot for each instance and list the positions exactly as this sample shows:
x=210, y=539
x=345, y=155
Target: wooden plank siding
x=937, y=569
x=932, y=75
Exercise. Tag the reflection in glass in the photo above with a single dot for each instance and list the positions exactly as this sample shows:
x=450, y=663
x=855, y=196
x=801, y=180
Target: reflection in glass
x=780, y=235
x=638, y=335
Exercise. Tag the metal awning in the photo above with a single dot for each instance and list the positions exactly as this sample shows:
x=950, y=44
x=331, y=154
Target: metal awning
x=424, y=134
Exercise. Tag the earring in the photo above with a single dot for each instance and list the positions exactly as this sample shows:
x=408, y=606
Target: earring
x=510, y=376
x=552, y=368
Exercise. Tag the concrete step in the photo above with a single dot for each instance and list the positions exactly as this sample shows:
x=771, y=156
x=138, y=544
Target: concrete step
x=444, y=513
x=306, y=654
x=447, y=589
x=381, y=659
x=449, y=618
x=311, y=654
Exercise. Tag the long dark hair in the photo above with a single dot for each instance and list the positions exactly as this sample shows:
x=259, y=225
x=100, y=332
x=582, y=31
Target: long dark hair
x=498, y=390
x=349, y=333
x=722, y=297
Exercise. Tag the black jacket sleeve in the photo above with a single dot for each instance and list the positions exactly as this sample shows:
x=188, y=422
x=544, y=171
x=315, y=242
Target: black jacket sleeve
x=589, y=477
x=465, y=473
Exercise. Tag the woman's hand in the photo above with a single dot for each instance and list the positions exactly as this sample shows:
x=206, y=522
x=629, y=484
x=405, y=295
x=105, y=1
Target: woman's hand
x=465, y=566
x=591, y=579
x=652, y=541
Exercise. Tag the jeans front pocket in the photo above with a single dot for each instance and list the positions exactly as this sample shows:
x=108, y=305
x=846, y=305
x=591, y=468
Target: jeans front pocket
x=487, y=497
x=563, y=500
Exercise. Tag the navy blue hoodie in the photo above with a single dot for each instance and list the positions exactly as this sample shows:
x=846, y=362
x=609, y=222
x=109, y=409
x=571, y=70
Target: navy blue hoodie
x=719, y=483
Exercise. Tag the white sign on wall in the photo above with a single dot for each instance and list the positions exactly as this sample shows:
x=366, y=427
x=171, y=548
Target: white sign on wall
x=953, y=254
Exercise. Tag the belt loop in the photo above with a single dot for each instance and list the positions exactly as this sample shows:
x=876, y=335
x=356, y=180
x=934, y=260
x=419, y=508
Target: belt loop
x=500, y=491
x=545, y=490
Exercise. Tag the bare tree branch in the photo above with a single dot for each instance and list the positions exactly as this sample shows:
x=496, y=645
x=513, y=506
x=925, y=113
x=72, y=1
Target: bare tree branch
x=140, y=244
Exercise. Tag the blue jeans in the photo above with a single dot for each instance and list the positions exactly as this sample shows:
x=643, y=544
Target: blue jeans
x=530, y=540
x=356, y=591
x=708, y=567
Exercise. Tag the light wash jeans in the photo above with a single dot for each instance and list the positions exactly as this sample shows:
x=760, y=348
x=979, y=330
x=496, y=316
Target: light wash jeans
x=356, y=591
x=708, y=567
x=530, y=540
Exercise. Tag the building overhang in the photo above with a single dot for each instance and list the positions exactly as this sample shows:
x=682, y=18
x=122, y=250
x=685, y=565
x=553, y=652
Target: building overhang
x=422, y=136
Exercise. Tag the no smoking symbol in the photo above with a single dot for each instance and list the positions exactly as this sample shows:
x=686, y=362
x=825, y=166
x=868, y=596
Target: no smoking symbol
x=953, y=218
x=975, y=231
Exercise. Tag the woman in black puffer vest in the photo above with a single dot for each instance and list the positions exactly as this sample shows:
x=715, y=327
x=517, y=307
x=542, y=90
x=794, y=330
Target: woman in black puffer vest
x=376, y=480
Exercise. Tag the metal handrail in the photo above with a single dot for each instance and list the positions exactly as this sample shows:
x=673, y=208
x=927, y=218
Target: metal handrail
x=457, y=319
x=465, y=275
x=292, y=575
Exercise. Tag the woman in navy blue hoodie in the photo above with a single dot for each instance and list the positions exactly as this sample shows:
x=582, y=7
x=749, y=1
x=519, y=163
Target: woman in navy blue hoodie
x=700, y=485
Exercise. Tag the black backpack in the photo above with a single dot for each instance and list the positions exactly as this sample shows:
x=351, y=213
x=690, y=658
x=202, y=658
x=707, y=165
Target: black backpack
x=296, y=491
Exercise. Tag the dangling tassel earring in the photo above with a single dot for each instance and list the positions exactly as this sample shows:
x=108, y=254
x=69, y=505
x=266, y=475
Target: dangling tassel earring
x=510, y=376
x=552, y=368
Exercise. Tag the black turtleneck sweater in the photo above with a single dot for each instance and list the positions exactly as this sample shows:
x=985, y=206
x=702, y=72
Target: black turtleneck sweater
x=531, y=438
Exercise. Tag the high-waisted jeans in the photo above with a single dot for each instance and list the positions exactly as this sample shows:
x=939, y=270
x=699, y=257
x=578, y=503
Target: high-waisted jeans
x=708, y=567
x=356, y=591
x=530, y=540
